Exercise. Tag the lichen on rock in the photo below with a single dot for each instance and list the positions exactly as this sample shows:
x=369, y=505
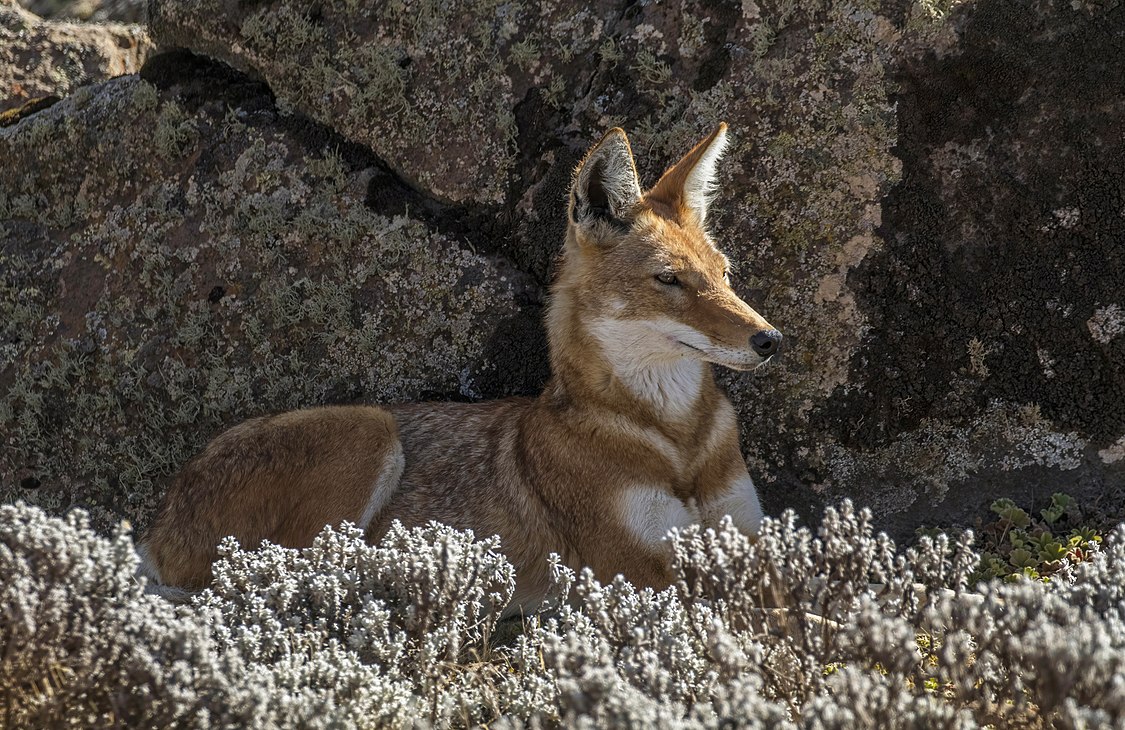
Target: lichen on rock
x=431, y=87
x=207, y=263
x=935, y=242
x=996, y=276
x=41, y=59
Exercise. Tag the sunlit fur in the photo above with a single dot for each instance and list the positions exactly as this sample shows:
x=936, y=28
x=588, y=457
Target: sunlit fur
x=630, y=437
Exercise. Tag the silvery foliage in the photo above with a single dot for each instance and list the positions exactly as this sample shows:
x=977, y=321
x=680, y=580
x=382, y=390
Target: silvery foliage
x=746, y=636
x=341, y=634
x=82, y=645
x=347, y=633
x=823, y=630
x=1066, y=642
x=795, y=629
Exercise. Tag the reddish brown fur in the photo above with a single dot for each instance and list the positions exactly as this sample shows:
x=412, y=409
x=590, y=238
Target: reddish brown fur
x=547, y=474
x=280, y=478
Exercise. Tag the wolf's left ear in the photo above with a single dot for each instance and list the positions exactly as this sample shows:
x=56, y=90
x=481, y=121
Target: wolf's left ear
x=690, y=184
x=605, y=184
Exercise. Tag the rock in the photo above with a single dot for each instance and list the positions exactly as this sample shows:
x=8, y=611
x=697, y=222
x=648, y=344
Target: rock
x=928, y=205
x=989, y=368
x=433, y=88
x=806, y=92
x=208, y=260
x=942, y=264
x=41, y=58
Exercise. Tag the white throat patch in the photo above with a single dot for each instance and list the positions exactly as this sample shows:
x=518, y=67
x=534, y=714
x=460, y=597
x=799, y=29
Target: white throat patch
x=645, y=358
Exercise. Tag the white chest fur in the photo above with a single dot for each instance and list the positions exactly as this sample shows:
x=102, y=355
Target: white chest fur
x=649, y=513
x=740, y=501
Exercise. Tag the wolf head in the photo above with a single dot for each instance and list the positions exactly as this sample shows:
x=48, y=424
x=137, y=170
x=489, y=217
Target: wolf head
x=640, y=270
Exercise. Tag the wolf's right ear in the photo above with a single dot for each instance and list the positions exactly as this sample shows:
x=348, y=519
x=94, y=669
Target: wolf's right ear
x=605, y=184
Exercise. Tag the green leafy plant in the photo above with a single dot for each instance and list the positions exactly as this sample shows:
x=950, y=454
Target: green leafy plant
x=1018, y=545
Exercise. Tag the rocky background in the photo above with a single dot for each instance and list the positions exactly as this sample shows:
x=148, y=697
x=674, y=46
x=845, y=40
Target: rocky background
x=292, y=204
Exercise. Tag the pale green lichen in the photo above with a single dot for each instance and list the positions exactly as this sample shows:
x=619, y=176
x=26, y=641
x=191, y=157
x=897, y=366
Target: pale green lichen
x=199, y=297
x=427, y=85
x=175, y=131
x=1003, y=437
x=525, y=54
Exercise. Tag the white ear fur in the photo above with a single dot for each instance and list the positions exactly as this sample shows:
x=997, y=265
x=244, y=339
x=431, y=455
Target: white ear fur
x=606, y=180
x=701, y=184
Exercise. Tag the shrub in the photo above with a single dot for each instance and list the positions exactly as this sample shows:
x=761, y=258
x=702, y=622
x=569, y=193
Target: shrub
x=832, y=629
x=346, y=633
x=82, y=645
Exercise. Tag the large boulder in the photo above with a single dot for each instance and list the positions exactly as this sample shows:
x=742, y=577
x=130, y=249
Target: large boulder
x=994, y=356
x=927, y=204
x=177, y=256
x=806, y=93
x=436, y=89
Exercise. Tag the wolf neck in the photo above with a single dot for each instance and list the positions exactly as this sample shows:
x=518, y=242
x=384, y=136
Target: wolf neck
x=671, y=389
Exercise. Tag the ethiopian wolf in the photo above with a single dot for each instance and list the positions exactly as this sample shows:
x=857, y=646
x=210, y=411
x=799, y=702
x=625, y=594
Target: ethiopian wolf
x=630, y=437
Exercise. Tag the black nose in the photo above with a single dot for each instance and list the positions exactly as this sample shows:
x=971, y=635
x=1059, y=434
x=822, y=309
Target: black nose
x=766, y=342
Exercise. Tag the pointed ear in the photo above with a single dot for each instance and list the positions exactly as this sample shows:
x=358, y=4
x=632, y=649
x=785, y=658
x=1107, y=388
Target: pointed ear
x=691, y=183
x=605, y=184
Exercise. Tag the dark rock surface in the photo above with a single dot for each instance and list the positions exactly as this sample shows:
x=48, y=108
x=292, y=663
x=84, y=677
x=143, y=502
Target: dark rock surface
x=208, y=260
x=927, y=202
x=995, y=359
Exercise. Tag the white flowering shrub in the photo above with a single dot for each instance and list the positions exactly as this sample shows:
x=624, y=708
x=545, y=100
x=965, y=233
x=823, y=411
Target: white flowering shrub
x=82, y=645
x=346, y=633
x=752, y=633
x=828, y=629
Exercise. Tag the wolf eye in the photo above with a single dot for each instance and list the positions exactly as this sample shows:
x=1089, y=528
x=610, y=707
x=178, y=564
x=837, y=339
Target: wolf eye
x=668, y=278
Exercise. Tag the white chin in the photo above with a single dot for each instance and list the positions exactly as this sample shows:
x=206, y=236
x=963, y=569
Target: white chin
x=742, y=366
x=716, y=358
